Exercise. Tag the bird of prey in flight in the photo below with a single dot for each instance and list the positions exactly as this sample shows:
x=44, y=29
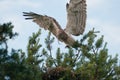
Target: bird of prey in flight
x=76, y=21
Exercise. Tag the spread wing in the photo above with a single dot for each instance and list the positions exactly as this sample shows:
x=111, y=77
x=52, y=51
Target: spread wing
x=76, y=17
x=46, y=22
x=49, y=23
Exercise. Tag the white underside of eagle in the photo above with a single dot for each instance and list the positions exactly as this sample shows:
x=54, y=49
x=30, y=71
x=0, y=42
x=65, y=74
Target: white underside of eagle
x=76, y=20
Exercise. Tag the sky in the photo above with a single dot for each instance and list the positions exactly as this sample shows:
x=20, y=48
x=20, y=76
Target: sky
x=103, y=15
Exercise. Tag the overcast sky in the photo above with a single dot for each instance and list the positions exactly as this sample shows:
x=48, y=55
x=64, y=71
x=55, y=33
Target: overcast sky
x=103, y=15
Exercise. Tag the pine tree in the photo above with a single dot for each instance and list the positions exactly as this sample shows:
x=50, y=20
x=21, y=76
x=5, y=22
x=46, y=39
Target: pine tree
x=6, y=61
x=15, y=65
x=87, y=60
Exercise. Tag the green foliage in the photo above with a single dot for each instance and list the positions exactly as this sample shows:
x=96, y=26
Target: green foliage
x=16, y=65
x=98, y=65
x=6, y=31
x=88, y=60
x=33, y=48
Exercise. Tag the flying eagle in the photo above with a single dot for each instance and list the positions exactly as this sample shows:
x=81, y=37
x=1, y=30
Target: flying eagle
x=76, y=20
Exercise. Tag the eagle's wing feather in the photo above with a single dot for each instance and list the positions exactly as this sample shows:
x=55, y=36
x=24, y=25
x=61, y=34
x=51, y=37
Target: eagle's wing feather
x=76, y=17
x=43, y=21
x=49, y=23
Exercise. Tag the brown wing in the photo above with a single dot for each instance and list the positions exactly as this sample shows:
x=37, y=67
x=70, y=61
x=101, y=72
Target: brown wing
x=49, y=23
x=76, y=17
x=46, y=22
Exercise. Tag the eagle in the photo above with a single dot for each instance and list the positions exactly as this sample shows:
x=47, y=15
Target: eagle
x=76, y=21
